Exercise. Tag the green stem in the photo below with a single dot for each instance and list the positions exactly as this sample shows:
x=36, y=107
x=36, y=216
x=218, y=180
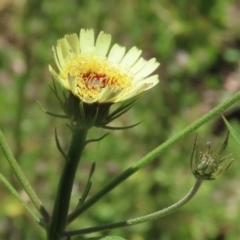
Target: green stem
x=146, y=218
x=22, y=178
x=152, y=155
x=62, y=201
x=16, y=194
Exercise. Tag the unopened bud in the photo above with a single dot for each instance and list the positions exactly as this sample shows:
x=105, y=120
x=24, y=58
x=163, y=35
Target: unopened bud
x=208, y=165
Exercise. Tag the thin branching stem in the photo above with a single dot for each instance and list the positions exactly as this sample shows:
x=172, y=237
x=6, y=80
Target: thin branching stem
x=22, y=178
x=146, y=218
x=19, y=198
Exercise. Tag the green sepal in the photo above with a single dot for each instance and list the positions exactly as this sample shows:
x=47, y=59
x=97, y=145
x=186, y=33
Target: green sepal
x=82, y=112
x=120, y=128
x=53, y=88
x=85, y=115
x=97, y=139
x=59, y=146
x=121, y=110
x=93, y=119
x=51, y=114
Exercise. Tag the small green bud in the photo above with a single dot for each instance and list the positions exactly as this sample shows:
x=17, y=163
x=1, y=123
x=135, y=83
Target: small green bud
x=206, y=164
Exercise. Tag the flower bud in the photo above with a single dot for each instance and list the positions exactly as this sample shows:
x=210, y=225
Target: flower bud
x=208, y=165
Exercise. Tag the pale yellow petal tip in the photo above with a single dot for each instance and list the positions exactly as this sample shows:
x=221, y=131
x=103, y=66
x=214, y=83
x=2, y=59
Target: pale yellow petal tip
x=71, y=38
x=87, y=34
x=131, y=57
x=70, y=35
x=60, y=40
x=103, y=34
x=116, y=53
x=86, y=39
x=154, y=61
x=86, y=30
x=102, y=44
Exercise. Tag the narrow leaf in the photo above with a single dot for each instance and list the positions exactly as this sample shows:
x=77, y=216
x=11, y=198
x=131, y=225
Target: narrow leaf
x=54, y=90
x=233, y=132
x=89, y=184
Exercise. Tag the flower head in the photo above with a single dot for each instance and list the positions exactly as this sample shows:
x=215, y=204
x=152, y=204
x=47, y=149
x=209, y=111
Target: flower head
x=208, y=165
x=89, y=72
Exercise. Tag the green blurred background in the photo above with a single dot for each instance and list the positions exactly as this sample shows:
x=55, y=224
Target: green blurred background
x=197, y=43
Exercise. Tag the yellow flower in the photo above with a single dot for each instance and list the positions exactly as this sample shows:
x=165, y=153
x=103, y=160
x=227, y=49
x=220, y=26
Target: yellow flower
x=92, y=75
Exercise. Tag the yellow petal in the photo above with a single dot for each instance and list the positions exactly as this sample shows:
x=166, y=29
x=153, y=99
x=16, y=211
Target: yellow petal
x=86, y=40
x=72, y=81
x=65, y=48
x=131, y=57
x=116, y=53
x=138, y=66
x=59, y=55
x=73, y=42
x=59, y=66
x=59, y=79
x=150, y=66
x=108, y=94
x=103, y=44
